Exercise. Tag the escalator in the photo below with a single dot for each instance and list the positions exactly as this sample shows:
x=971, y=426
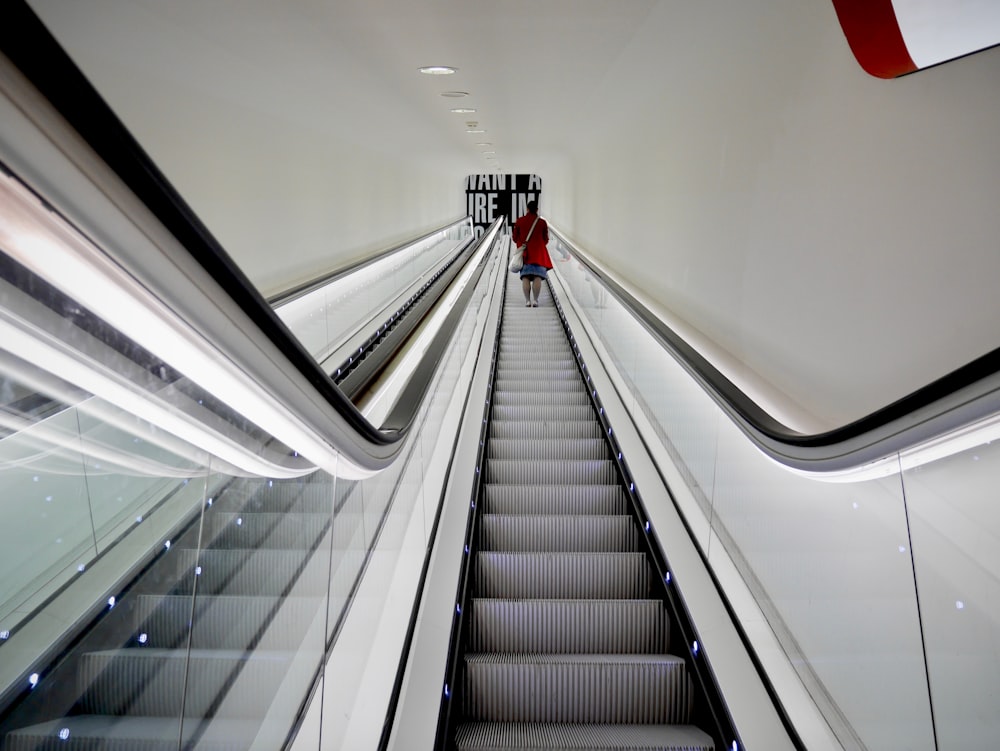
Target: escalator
x=568, y=642
x=194, y=652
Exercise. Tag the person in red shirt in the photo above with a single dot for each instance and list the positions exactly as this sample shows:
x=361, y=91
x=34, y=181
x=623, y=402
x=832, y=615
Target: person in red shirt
x=536, y=254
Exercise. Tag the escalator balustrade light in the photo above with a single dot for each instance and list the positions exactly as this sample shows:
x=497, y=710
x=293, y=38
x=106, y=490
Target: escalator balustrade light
x=959, y=605
x=667, y=578
x=239, y=522
x=458, y=608
x=735, y=746
x=4, y=635
x=631, y=486
x=197, y=570
x=447, y=692
x=142, y=638
x=466, y=549
x=167, y=545
x=647, y=527
x=81, y=568
x=111, y=602
x=694, y=648
x=33, y=680
x=64, y=734
x=138, y=519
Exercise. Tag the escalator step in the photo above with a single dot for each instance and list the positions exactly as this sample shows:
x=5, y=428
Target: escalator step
x=224, y=622
x=517, y=736
x=107, y=733
x=620, y=576
x=253, y=530
x=525, y=397
x=526, y=533
x=550, y=413
x=572, y=499
x=569, y=626
x=549, y=430
x=551, y=472
x=167, y=682
x=593, y=688
x=535, y=449
x=245, y=573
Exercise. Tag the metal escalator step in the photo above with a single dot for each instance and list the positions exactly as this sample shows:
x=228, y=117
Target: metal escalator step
x=552, y=472
x=254, y=530
x=245, y=572
x=224, y=622
x=569, y=626
x=564, y=430
x=583, y=533
x=108, y=733
x=552, y=413
x=620, y=688
x=620, y=576
x=552, y=379
x=534, y=449
x=169, y=682
x=534, y=364
x=532, y=398
x=523, y=736
x=544, y=413
x=554, y=499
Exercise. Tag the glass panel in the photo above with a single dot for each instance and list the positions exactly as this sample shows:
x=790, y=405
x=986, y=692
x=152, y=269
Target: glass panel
x=829, y=563
x=955, y=521
x=831, y=567
x=47, y=526
x=326, y=317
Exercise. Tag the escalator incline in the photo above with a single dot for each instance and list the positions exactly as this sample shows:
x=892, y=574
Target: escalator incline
x=567, y=644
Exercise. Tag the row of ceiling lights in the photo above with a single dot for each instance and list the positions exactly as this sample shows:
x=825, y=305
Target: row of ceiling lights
x=471, y=126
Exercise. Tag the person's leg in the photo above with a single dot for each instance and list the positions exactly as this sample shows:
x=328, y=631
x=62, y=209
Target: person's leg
x=526, y=288
x=537, y=284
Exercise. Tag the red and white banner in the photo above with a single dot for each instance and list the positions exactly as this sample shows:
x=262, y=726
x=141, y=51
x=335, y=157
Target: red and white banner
x=890, y=38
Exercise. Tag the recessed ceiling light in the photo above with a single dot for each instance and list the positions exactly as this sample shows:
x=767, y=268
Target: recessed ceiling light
x=485, y=143
x=463, y=110
x=475, y=130
x=489, y=152
x=454, y=94
x=437, y=70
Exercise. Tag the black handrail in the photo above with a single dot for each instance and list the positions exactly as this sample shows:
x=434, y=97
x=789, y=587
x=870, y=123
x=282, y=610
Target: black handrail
x=955, y=400
x=31, y=48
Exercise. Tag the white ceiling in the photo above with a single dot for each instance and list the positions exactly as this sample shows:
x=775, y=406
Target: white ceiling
x=534, y=70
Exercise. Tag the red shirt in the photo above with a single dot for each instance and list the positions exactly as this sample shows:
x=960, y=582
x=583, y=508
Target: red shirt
x=536, y=252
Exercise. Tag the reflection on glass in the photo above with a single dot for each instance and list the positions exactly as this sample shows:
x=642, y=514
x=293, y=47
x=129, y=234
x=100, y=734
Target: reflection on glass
x=153, y=591
x=325, y=318
x=955, y=523
x=829, y=564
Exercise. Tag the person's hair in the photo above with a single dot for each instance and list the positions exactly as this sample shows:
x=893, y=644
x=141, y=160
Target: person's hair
x=532, y=207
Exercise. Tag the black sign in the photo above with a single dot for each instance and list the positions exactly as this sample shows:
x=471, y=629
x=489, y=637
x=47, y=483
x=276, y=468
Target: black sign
x=490, y=196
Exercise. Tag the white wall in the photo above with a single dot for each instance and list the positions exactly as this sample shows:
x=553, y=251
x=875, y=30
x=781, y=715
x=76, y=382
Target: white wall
x=294, y=170
x=837, y=233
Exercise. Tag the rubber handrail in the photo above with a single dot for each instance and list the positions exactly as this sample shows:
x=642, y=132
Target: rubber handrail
x=967, y=394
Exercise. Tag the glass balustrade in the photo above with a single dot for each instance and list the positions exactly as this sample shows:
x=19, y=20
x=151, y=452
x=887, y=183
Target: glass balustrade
x=326, y=316
x=882, y=592
x=151, y=586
